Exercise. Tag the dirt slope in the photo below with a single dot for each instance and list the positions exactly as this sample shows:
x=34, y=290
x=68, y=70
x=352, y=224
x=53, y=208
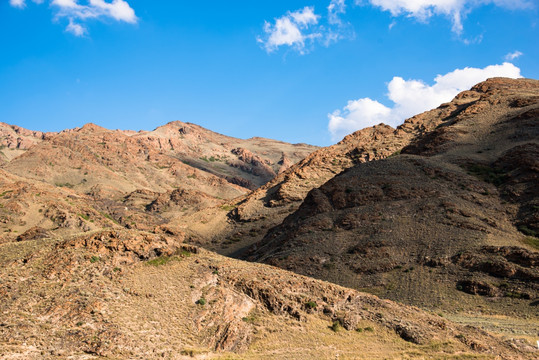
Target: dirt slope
x=121, y=294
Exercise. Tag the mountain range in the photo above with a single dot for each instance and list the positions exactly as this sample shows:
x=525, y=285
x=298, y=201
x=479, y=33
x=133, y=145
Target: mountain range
x=415, y=242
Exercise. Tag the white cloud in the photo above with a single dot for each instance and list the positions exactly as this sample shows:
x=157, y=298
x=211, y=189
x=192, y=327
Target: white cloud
x=292, y=29
x=456, y=10
x=336, y=8
x=305, y=17
x=514, y=55
x=301, y=28
x=17, y=3
x=358, y=114
x=77, y=12
x=118, y=9
x=411, y=97
x=22, y=3
x=75, y=29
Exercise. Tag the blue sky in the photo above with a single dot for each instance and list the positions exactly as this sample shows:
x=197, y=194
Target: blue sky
x=298, y=71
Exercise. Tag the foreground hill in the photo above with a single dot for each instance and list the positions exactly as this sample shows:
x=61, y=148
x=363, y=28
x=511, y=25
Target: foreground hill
x=457, y=213
x=123, y=294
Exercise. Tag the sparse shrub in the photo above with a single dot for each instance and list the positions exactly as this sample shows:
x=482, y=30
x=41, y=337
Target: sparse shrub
x=336, y=326
x=95, y=259
x=251, y=318
x=328, y=266
x=67, y=185
x=311, y=304
x=532, y=241
x=184, y=253
x=5, y=193
x=201, y=301
x=488, y=174
x=84, y=216
x=398, y=152
x=369, y=329
x=110, y=218
x=527, y=231
x=228, y=207
x=161, y=260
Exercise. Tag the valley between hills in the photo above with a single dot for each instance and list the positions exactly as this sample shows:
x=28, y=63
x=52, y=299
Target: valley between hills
x=419, y=242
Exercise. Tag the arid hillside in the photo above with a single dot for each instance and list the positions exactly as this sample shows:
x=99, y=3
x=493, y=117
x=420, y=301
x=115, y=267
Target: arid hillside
x=419, y=242
x=114, y=162
x=123, y=294
x=456, y=212
x=131, y=179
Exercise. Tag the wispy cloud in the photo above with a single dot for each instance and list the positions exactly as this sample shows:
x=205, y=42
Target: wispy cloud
x=17, y=3
x=300, y=29
x=75, y=29
x=514, y=55
x=78, y=12
x=455, y=10
x=411, y=97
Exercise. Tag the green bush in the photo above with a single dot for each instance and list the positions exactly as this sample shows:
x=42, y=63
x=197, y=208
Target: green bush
x=336, y=326
x=527, y=231
x=311, y=305
x=161, y=260
x=84, y=216
x=488, y=174
x=532, y=241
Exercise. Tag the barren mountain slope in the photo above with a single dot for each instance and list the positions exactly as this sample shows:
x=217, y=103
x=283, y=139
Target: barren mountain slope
x=250, y=163
x=143, y=179
x=440, y=221
x=123, y=294
x=113, y=162
x=14, y=140
x=247, y=218
x=33, y=210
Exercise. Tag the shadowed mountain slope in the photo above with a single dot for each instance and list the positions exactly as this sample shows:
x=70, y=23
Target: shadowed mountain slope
x=455, y=213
